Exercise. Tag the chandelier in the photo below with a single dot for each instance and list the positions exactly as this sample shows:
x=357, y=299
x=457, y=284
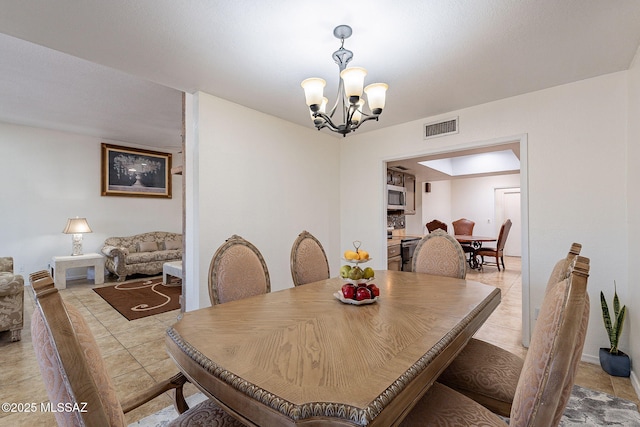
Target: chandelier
x=349, y=97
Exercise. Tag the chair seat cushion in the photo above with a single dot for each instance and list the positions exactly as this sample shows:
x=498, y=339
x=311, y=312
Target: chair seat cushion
x=442, y=406
x=206, y=414
x=487, y=251
x=485, y=373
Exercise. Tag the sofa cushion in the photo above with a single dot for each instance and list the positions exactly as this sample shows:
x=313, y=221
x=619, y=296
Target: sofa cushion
x=147, y=247
x=172, y=244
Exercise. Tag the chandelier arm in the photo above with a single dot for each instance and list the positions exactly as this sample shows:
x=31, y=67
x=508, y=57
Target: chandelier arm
x=327, y=121
x=339, y=96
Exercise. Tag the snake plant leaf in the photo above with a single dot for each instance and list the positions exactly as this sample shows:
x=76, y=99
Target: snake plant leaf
x=605, y=315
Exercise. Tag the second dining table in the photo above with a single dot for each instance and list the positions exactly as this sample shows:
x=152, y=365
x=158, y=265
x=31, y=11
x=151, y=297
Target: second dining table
x=475, y=242
x=299, y=356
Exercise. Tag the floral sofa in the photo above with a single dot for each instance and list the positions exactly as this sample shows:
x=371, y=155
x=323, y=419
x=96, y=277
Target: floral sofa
x=143, y=253
x=11, y=299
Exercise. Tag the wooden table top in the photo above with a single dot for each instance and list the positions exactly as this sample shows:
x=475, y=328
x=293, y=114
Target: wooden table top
x=299, y=355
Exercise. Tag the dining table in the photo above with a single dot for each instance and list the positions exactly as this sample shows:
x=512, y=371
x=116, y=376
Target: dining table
x=302, y=357
x=475, y=243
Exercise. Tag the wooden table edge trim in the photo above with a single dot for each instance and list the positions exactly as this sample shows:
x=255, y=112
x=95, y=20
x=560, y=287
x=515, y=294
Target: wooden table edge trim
x=338, y=411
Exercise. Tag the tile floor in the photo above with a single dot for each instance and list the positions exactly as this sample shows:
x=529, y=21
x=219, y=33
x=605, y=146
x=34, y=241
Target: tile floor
x=135, y=352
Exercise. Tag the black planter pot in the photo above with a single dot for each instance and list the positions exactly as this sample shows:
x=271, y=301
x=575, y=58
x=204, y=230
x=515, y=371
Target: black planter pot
x=617, y=365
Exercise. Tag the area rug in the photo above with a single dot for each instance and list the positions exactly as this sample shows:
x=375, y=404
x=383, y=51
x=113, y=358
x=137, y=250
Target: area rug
x=141, y=298
x=586, y=408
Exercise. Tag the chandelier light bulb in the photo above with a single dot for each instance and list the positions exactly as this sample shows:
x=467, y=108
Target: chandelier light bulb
x=376, y=96
x=313, y=90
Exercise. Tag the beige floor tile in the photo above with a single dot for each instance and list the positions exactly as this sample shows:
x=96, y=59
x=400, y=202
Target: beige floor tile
x=121, y=362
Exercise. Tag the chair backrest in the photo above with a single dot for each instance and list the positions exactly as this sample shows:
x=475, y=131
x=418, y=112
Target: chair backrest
x=549, y=368
x=435, y=225
x=72, y=368
x=237, y=270
x=440, y=254
x=504, y=233
x=463, y=227
x=308, y=260
x=562, y=269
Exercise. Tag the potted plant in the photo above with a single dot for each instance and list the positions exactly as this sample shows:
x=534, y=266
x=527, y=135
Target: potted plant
x=614, y=361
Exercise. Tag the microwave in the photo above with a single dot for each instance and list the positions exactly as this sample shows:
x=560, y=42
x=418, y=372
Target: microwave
x=396, y=197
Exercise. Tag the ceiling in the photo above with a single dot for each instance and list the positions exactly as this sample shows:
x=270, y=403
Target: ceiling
x=116, y=69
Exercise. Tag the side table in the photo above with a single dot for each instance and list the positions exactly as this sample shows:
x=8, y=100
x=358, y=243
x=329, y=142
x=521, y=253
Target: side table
x=60, y=264
x=173, y=268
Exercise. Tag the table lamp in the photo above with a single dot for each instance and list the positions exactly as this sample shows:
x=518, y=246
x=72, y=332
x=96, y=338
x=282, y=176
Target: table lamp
x=77, y=226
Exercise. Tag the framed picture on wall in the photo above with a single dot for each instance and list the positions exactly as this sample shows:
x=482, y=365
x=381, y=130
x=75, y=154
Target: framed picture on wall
x=133, y=172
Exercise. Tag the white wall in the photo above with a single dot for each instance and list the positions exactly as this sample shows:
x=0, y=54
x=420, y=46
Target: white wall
x=576, y=138
x=474, y=199
x=471, y=198
x=266, y=180
x=49, y=176
x=632, y=299
x=437, y=205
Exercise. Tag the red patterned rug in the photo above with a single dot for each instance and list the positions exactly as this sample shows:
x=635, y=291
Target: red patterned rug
x=141, y=298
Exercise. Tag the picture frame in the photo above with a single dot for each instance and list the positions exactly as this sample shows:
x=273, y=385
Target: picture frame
x=133, y=172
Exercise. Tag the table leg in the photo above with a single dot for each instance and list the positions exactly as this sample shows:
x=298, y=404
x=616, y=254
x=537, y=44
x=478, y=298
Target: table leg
x=99, y=273
x=60, y=277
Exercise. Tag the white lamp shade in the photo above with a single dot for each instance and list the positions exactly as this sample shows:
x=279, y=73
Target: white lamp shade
x=323, y=109
x=313, y=90
x=376, y=95
x=353, y=80
x=77, y=226
x=357, y=115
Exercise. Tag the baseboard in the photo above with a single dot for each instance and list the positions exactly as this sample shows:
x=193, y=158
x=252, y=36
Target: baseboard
x=594, y=360
x=635, y=383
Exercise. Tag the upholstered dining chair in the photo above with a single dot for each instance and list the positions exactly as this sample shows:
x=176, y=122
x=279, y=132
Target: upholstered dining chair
x=489, y=374
x=439, y=253
x=436, y=224
x=308, y=260
x=237, y=270
x=75, y=374
x=548, y=373
x=498, y=251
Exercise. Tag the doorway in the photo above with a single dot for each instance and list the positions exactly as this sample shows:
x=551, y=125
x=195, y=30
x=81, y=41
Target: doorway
x=518, y=144
x=508, y=207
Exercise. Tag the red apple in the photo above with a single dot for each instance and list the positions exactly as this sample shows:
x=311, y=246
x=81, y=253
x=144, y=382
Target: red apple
x=363, y=293
x=349, y=291
x=375, y=291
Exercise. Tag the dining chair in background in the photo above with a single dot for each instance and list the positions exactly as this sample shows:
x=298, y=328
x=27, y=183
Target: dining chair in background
x=464, y=227
x=308, y=260
x=75, y=374
x=440, y=254
x=435, y=225
x=498, y=251
x=489, y=374
x=548, y=373
x=237, y=270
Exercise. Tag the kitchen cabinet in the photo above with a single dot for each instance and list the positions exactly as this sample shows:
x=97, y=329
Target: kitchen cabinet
x=395, y=178
x=394, y=257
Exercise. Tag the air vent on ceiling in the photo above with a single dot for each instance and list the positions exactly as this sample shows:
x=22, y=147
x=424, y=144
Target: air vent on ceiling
x=435, y=129
x=399, y=168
